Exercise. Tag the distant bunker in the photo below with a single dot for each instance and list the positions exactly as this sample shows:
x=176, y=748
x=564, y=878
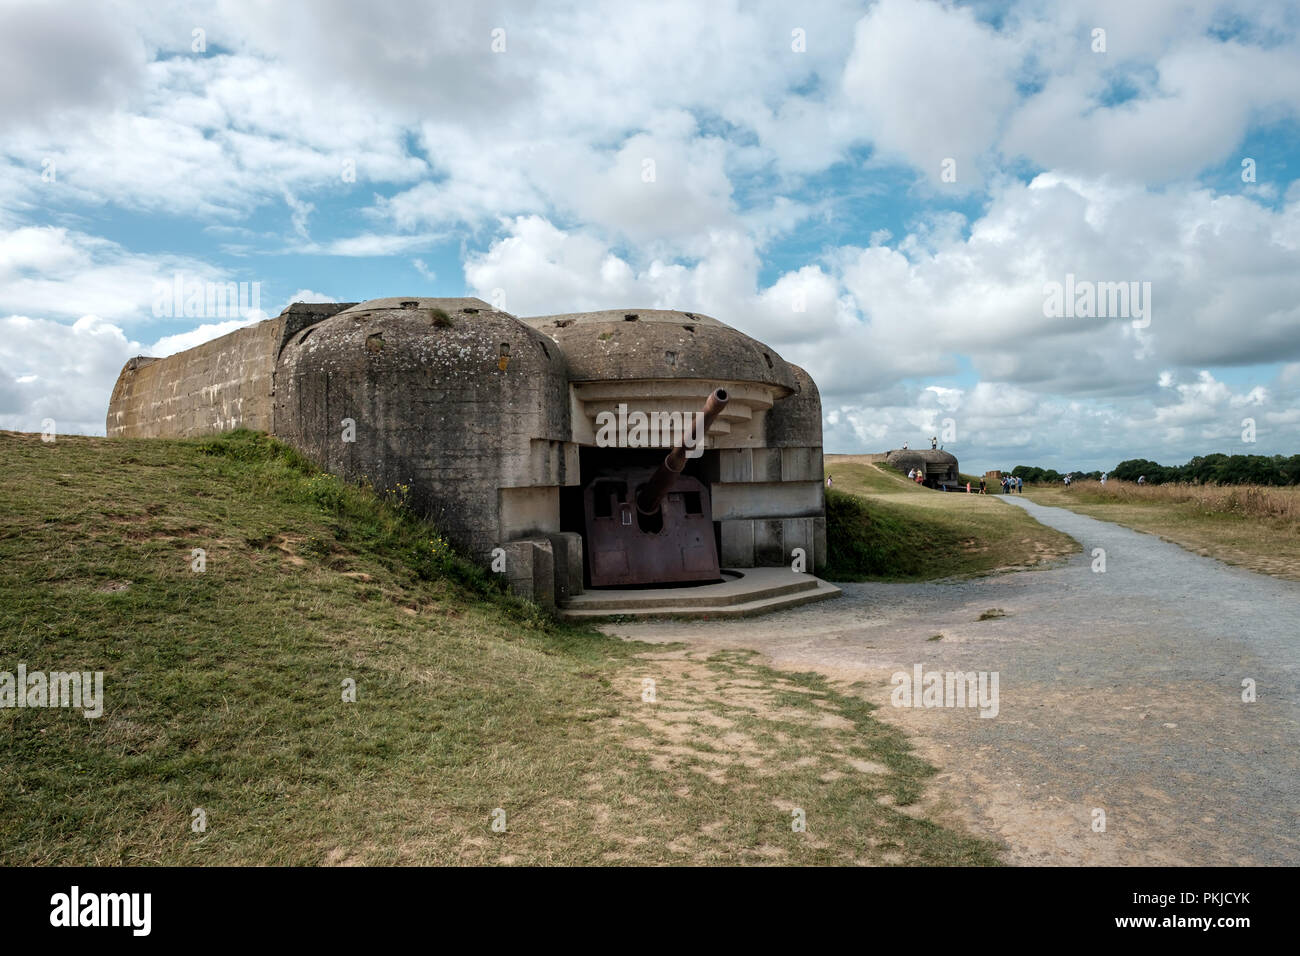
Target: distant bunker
x=939, y=467
x=541, y=441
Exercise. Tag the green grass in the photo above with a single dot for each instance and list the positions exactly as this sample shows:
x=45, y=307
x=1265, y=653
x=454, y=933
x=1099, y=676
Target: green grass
x=223, y=691
x=880, y=526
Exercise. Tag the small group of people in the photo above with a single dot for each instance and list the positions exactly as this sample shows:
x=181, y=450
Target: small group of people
x=1011, y=485
x=917, y=475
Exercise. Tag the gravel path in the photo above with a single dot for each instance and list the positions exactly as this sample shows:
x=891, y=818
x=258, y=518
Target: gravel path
x=1119, y=691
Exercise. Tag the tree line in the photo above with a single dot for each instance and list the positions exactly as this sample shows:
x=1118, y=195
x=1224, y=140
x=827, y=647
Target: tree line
x=1202, y=470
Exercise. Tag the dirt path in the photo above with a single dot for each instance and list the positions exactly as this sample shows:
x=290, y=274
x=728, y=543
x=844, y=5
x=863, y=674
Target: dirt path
x=1119, y=691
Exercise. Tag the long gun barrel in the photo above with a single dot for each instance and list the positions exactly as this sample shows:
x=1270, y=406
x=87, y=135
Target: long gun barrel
x=647, y=502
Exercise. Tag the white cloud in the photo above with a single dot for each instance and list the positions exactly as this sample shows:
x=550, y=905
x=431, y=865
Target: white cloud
x=914, y=108
x=54, y=271
x=1194, y=115
x=368, y=244
x=390, y=130
x=64, y=372
x=171, y=344
x=874, y=319
x=60, y=57
x=306, y=295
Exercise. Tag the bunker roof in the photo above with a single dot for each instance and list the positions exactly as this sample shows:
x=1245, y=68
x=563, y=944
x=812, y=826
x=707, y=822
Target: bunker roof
x=912, y=457
x=625, y=344
x=399, y=302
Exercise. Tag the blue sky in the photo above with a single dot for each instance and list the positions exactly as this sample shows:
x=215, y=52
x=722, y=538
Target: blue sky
x=781, y=169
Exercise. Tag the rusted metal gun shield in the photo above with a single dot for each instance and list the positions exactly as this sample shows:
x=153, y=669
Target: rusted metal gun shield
x=621, y=553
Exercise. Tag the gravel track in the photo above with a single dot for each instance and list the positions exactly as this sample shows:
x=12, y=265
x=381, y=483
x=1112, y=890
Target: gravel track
x=1119, y=691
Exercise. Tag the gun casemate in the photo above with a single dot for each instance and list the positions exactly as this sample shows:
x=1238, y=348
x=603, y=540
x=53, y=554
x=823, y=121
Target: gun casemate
x=654, y=527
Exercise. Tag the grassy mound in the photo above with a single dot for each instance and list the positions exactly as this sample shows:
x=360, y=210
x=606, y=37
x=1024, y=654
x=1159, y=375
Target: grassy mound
x=880, y=526
x=866, y=540
x=224, y=693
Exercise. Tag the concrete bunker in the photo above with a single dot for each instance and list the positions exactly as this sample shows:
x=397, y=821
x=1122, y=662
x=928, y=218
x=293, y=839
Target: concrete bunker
x=495, y=424
x=938, y=466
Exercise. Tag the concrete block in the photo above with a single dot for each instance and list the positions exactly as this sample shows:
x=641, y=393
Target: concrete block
x=529, y=511
x=767, y=464
x=774, y=499
x=735, y=464
x=566, y=548
x=530, y=570
x=769, y=547
x=798, y=533
x=801, y=464
x=737, y=544
x=820, y=556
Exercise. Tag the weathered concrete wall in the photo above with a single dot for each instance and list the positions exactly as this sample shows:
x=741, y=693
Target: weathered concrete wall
x=455, y=400
x=218, y=386
x=772, y=500
x=796, y=421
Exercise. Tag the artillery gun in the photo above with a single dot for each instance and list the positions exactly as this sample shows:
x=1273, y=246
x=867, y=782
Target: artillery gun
x=650, y=527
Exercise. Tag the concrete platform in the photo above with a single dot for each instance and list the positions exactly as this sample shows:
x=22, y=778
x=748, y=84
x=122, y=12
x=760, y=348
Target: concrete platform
x=741, y=594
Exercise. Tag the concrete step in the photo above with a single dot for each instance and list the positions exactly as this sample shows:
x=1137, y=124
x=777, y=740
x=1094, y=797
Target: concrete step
x=758, y=601
x=748, y=585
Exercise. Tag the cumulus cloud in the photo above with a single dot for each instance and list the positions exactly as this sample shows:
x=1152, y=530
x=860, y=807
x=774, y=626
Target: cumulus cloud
x=779, y=168
x=61, y=371
x=55, y=271
x=912, y=109
x=214, y=135
x=1224, y=274
x=171, y=344
x=306, y=295
x=60, y=57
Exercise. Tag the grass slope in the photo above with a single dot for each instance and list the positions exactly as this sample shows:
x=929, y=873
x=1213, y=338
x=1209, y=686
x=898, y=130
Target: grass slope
x=223, y=691
x=880, y=526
